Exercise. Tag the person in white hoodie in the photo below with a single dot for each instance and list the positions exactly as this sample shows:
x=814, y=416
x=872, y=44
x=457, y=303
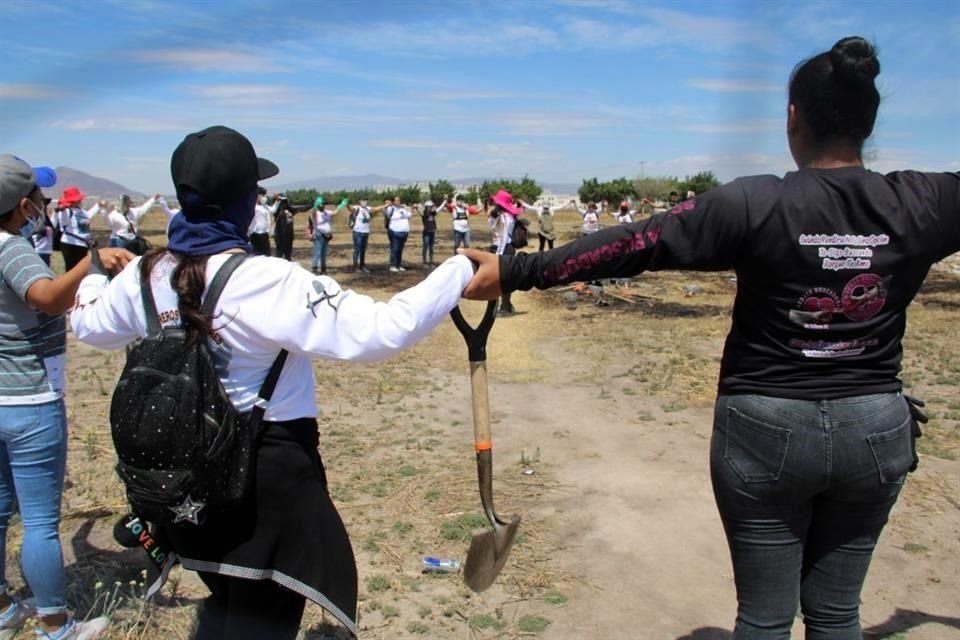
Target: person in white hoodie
x=263, y=560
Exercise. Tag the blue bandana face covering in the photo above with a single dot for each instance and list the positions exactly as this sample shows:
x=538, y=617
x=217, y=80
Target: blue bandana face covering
x=196, y=232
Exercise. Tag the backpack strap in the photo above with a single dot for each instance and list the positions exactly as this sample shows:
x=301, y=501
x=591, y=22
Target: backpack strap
x=210, y=302
x=270, y=382
x=266, y=392
x=149, y=305
x=219, y=282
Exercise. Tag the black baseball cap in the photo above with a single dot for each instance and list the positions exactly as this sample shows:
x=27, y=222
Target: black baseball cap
x=216, y=167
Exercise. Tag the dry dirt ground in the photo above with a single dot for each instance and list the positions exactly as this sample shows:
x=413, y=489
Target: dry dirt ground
x=601, y=418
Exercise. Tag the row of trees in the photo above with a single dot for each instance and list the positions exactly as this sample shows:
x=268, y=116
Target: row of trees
x=525, y=189
x=655, y=188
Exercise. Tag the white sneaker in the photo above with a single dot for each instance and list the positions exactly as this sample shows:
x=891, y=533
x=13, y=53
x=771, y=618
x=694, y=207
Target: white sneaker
x=74, y=630
x=14, y=617
x=401, y=269
x=394, y=270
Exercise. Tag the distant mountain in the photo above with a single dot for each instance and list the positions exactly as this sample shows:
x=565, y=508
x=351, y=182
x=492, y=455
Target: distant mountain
x=554, y=187
x=351, y=183
x=335, y=183
x=95, y=188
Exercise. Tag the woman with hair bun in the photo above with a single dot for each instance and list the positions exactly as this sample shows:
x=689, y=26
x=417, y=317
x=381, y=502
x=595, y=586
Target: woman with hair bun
x=813, y=437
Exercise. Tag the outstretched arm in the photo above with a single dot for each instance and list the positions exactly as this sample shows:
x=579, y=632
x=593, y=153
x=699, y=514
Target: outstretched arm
x=705, y=235
x=138, y=212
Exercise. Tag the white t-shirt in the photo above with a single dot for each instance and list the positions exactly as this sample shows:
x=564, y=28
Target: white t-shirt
x=502, y=229
x=399, y=219
x=75, y=223
x=591, y=220
x=120, y=226
x=321, y=221
x=262, y=310
x=262, y=214
x=461, y=219
x=361, y=223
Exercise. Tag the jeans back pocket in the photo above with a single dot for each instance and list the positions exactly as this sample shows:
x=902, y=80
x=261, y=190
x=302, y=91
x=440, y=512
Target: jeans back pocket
x=755, y=450
x=893, y=453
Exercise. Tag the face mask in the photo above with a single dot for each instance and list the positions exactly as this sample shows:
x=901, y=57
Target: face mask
x=34, y=224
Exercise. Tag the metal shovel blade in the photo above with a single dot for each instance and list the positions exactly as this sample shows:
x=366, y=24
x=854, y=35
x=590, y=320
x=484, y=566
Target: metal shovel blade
x=490, y=547
x=488, y=553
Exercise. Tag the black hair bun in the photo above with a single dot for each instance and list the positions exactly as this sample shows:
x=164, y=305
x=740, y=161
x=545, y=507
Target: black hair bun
x=855, y=61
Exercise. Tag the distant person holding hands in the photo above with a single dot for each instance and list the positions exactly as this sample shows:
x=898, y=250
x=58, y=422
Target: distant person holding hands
x=546, y=229
x=261, y=223
x=74, y=223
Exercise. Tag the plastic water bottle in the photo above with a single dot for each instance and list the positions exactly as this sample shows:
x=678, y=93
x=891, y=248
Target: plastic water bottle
x=440, y=565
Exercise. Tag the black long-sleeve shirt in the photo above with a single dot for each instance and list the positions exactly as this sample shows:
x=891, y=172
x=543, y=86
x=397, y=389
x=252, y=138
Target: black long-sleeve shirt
x=827, y=261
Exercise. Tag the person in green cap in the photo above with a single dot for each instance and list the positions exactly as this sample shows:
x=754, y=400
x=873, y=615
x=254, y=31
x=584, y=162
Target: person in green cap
x=320, y=230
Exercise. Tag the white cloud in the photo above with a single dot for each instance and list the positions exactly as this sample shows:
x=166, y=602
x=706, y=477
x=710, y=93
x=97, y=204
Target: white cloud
x=552, y=124
x=919, y=97
x=464, y=96
x=763, y=125
x=247, y=95
x=119, y=124
x=725, y=166
x=887, y=159
x=707, y=31
x=27, y=92
x=735, y=86
x=447, y=38
x=223, y=60
x=418, y=144
x=613, y=6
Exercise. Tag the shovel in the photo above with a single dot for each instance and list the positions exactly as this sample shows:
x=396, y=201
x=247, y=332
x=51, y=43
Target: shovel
x=489, y=548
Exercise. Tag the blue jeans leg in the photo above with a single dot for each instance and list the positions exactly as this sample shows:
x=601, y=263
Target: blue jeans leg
x=357, y=244
x=364, y=239
x=319, y=256
x=429, y=237
x=392, y=238
x=461, y=238
x=401, y=241
x=804, y=489
x=33, y=447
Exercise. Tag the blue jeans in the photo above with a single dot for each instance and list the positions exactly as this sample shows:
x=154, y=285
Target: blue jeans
x=360, y=248
x=320, y=245
x=461, y=238
x=33, y=456
x=397, y=240
x=804, y=489
x=429, y=239
x=117, y=241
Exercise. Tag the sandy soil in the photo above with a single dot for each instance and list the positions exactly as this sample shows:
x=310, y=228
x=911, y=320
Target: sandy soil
x=601, y=418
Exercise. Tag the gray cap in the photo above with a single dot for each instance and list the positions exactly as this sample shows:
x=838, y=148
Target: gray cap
x=18, y=179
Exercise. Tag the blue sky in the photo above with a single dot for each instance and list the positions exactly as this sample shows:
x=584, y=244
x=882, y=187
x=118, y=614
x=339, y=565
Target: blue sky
x=560, y=90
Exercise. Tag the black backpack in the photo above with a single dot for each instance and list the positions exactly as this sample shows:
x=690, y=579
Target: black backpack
x=519, y=236
x=184, y=450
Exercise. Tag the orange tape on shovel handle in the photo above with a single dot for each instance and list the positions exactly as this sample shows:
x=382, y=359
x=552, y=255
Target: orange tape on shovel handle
x=486, y=445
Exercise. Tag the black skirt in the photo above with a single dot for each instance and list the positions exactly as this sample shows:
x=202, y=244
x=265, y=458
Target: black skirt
x=290, y=532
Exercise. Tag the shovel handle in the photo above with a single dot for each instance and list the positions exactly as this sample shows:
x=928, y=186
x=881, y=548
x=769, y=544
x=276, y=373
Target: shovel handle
x=476, y=339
